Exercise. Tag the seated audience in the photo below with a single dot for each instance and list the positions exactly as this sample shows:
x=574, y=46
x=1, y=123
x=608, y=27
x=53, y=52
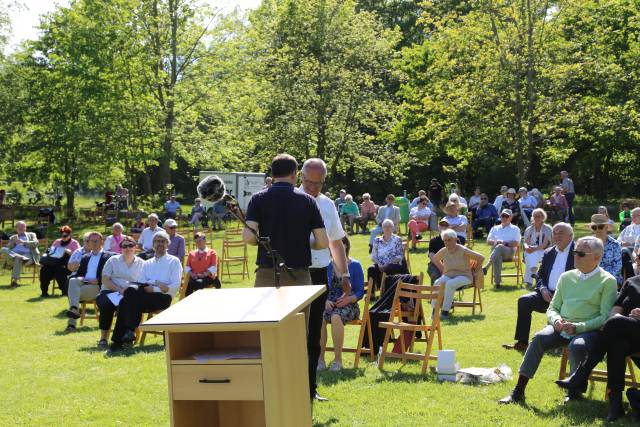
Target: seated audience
x=435, y=244
x=85, y=285
x=340, y=200
x=218, y=213
x=54, y=262
x=558, y=204
x=486, y=216
x=145, y=241
x=171, y=207
x=368, y=211
x=416, y=200
x=21, y=249
x=580, y=306
x=474, y=201
x=627, y=239
x=537, y=195
x=459, y=202
x=537, y=238
x=349, y=212
x=388, y=211
x=118, y=273
x=161, y=275
x=177, y=246
x=122, y=197
x=112, y=243
x=340, y=309
x=503, y=239
x=454, y=263
x=387, y=254
x=497, y=203
x=202, y=266
x=418, y=220
x=138, y=225
x=76, y=256
x=617, y=339
x=527, y=205
x=198, y=214
x=555, y=261
x=457, y=223
x=611, y=260
x=624, y=216
x=512, y=204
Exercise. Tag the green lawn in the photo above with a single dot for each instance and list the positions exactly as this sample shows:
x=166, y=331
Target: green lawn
x=53, y=378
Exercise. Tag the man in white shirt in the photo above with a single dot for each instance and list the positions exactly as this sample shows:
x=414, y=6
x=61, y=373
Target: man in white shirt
x=313, y=174
x=555, y=261
x=159, y=282
x=498, y=201
x=85, y=284
x=145, y=241
x=504, y=238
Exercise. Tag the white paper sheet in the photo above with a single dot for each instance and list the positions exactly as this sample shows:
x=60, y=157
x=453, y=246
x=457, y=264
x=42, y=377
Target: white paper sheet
x=115, y=298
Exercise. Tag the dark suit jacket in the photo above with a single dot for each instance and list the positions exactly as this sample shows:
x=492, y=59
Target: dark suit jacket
x=84, y=264
x=546, y=265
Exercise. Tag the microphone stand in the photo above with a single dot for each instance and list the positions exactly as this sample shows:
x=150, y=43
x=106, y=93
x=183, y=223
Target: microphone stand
x=231, y=205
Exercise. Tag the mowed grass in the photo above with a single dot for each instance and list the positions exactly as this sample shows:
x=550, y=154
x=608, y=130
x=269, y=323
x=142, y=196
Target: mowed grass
x=52, y=378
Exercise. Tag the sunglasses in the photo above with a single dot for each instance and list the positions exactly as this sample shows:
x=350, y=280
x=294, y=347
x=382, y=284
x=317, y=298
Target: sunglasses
x=598, y=227
x=127, y=246
x=582, y=254
x=65, y=234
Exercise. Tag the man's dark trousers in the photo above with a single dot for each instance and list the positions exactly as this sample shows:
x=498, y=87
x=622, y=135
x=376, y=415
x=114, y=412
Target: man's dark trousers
x=318, y=277
x=527, y=304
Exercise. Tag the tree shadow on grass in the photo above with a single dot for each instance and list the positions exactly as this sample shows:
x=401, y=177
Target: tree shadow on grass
x=404, y=377
x=128, y=352
x=456, y=318
x=583, y=412
x=329, y=422
x=39, y=298
x=331, y=378
x=505, y=288
x=78, y=330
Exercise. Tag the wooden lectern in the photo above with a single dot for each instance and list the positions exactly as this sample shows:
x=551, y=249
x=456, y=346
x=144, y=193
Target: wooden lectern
x=238, y=357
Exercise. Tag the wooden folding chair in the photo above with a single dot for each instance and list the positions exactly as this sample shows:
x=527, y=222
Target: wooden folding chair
x=517, y=260
x=600, y=375
x=469, y=241
x=409, y=316
x=230, y=257
x=83, y=311
x=365, y=327
x=7, y=214
x=140, y=337
x=477, y=286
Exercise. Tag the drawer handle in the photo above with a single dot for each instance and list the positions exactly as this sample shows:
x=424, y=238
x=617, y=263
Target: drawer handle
x=222, y=381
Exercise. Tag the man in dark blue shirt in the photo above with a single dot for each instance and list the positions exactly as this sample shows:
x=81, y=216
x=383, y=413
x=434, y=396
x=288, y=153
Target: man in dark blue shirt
x=486, y=216
x=288, y=217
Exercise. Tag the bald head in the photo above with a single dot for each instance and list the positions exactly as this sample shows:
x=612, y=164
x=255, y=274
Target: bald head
x=562, y=235
x=315, y=164
x=314, y=172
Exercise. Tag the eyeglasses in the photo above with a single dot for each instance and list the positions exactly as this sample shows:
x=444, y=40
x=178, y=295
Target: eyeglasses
x=483, y=198
x=312, y=183
x=128, y=246
x=581, y=254
x=94, y=240
x=598, y=227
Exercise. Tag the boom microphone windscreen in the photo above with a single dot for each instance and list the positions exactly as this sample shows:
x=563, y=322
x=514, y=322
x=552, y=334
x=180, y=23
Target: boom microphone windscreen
x=211, y=188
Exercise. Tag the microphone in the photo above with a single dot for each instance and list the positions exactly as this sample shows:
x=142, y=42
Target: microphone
x=212, y=189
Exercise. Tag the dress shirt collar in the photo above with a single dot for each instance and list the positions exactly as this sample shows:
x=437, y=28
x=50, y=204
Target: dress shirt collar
x=565, y=250
x=586, y=276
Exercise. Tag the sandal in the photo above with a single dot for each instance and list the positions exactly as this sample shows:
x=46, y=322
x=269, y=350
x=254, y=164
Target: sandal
x=103, y=343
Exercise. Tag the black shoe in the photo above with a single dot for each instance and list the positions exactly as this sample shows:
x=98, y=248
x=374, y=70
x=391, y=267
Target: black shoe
x=14, y=284
x=497, y=286
x=319, y=398
x=113, y=349
x=518, y=346
x=578, y=381
x=128, y=339
x=615, y=407
x=103, y=343
x=44, y=295
x=70, y=328
x=573, y=396
x=485, y=270
x=516, y=396
x=370, y=248
x=72, y=314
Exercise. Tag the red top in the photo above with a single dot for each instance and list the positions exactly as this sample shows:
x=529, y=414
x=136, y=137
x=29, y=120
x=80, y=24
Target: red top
x=200, y=261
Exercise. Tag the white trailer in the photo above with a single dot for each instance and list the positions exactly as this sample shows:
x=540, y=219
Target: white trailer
x=240, y=185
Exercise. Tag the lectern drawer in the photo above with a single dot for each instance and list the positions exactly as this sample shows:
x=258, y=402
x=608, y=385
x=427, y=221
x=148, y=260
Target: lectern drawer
x=216, y=382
